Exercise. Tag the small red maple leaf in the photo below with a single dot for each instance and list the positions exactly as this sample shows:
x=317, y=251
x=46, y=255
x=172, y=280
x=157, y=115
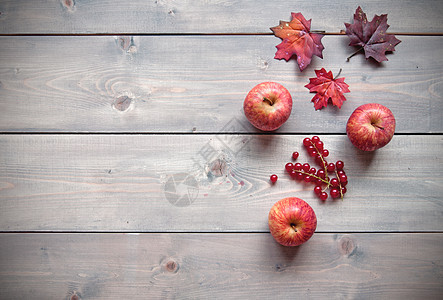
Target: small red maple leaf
x=298, y=40
x=327, y=87
x=371, y=36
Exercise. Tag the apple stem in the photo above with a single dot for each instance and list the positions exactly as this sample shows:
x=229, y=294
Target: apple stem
x=378, y=126
x=294, y=227
x=349, y=57
x=268, y=100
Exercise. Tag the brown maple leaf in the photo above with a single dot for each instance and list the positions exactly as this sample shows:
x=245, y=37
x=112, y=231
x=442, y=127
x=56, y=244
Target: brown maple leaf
x=371, y=36
x=298, y=40
x=327, y=87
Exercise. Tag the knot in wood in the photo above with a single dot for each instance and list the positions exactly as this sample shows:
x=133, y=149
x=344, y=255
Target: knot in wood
x=171, y=266
x=219, y=167
x=69, y=5
x=122, y=103
x=124, y=42
x=280, y=267
x=346, y=245
x=75, y=296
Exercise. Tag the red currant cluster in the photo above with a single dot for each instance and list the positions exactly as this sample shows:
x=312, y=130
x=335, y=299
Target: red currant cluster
x=321, y=177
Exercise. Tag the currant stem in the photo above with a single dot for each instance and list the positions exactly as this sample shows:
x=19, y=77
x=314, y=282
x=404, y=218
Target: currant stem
x=321, y=156
x=356, y=52
x=339, y=183
x=314, y=176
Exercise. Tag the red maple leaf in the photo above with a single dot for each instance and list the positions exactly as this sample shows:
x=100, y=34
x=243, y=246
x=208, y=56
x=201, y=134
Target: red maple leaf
x=327, y=87
x=297, y=40
x=371, y=36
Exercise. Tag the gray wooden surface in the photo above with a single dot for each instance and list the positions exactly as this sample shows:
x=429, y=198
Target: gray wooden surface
x=202, y=266
x=128, y=170
x=118, y=182
x=203, y=16
x=164, y=83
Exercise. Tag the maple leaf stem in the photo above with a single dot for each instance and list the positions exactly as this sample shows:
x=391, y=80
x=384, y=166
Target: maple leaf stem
x=356, y=52
x=339, y=72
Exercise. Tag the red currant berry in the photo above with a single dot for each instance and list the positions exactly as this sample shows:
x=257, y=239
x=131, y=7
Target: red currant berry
x=341, y=172
x=274, y=178
x=318, y=181
x=307, y=178
x=318, y=160
x=297, y=166
x=339, y=164
x=323, y=196
x=331, y=167
x=343, y=183
x=343, y=178
x=299, y=176
x=317, y=190
x=295, y=155
x=312, y=171
x=289, y=166
x=343, y=190
x=315, y=139
x=306, y=167
x=325, y=153
x=313, y=153
x=335, y=193
x=307, y=142
x=319, y=145
x=321, y=173
x=334, y=182
x=310, y=148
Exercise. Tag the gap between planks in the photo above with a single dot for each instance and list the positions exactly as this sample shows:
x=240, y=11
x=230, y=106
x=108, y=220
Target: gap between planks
x=204, y=34
x=199, y=133
x=210, y=233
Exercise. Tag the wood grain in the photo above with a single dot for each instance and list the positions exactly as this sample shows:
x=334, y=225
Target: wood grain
x=198, y=83
x=220, y=266
x=202, y=16
x=128, y=170
x=208, y=183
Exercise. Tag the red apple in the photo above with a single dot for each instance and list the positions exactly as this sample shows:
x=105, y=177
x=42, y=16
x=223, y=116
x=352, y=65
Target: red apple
x=268, y=105
x=292, y=221
x=371, y=126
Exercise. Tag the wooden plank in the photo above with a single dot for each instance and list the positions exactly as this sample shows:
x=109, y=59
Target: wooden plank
x=220, y=266
x=209, y=183
x=198, y=83
x=201, y=16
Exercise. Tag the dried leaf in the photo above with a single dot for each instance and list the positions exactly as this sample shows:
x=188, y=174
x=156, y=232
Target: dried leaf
x=298, y=40
x=371, y=36
x=327, y=87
